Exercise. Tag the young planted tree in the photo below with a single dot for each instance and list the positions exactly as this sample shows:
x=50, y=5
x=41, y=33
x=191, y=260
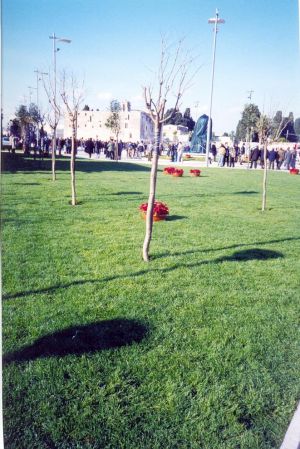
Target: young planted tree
x=52, y=117
x=72, y=97
x=172, y=79
x=264, y=126
x=113, y=123
x=269, y=130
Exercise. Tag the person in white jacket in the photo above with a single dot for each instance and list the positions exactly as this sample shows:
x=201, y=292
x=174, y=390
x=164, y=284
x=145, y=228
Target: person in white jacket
x=180, y=149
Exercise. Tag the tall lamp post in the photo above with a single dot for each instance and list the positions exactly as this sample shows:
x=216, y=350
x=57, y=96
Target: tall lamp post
x=38, y=74
x=214, y=20
x=55, y=50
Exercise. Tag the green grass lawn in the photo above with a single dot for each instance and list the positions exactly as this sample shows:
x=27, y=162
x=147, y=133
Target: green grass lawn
x=199, y=349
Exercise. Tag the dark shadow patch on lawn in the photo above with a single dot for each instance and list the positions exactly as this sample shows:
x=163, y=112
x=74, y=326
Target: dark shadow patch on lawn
x=26, y=183
x=83, y=339
x=246, y=421
x=251, y=254
x=246, y=192
x=26, y=164
x=127, y=193
x=176, y=217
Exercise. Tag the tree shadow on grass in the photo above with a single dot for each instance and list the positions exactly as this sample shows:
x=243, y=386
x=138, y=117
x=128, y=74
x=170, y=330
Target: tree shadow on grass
x=26, y=184
x=245, y=192
x=24, y=164
x=127, y=193
x=176, y=217
x=78, y=340
x=208, y=250
x=238, y=256
x=251, y=254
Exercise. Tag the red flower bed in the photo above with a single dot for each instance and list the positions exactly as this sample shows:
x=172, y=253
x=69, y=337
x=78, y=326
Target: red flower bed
x=294, y=171
x=169, y=170
x=177, y=172
x=160, y=210
x=195, y=172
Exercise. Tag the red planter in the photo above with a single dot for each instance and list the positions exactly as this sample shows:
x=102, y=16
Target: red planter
x=155, y=217
x=195, y=172
x=178, y=172
x=160, y=211
x=169, y=170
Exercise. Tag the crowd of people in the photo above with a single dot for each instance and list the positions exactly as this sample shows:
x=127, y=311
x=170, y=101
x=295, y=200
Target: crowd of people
x=275, y=157
x=112, y=149
x=225, y=155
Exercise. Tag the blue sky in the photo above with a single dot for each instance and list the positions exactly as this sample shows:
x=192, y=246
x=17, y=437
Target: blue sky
x=116, y=44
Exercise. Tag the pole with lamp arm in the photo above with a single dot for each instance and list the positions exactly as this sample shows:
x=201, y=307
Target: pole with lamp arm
x=215, y=20
x=38, y=73
x=55, y=50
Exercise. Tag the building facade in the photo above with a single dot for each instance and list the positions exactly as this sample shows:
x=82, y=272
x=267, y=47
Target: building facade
x=176, y=133
x=134, y=125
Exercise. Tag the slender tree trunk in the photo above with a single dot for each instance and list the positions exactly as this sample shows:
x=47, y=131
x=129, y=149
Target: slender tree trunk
x=264, y=196
x=53, y=159
x=151, y=199
x=72, y=168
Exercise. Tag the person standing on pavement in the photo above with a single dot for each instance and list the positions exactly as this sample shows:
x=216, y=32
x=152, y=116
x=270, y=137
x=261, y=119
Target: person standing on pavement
x=179, y=152
x=254, y=155
x=222, y=151
x=272, y=158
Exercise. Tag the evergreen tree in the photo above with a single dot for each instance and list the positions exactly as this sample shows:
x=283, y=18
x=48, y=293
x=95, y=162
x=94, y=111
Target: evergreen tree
x=248, y=123
x=170, y=113
x=187, y=120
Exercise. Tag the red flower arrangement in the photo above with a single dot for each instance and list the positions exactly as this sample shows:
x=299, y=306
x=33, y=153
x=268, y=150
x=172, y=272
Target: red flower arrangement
x=188, y=156
x=177, y=172
x=294, y=171
x=169, y=170
x=160, y=210
x=195, y=172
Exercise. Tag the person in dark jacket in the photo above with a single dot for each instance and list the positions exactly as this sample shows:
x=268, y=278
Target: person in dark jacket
x=214, y=152
x=226, y=157
x=254, y=155
x=89, y=147
x=272, y=158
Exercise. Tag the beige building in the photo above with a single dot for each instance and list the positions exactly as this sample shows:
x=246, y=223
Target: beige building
x=134, y=125
x=175, y=133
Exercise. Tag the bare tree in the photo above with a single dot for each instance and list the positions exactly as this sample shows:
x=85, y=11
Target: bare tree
x=72, y=96
x=268, y=132
x=53, y=116
x=172, y=79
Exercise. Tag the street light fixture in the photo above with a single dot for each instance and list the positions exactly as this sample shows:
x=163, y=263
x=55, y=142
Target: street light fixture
x=55, y=50
x=38, y=74
x=215, y=20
